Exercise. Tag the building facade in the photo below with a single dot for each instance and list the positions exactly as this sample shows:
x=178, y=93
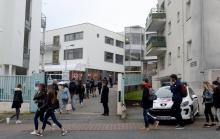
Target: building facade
x=20, y=24
x=134, y=49
x=84, y=51
x=185, y=40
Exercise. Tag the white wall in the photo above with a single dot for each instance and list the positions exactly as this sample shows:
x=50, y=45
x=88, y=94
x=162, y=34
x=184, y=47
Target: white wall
x=6, y=107
x=93, y=47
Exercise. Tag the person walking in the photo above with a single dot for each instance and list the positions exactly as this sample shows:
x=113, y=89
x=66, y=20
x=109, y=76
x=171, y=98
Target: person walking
x=208, y=101
x=99, y=87
x=87, y=88
x=177, y=100
x=81, y=92
x=92, y=87
x=147, y=104
x=52, y=103
x=110, y=81
x=216, y=101
x=104, y=98
x=73, y=94
x=17, y=102
x=40, y=100
x=55, y=86
x=65, y=97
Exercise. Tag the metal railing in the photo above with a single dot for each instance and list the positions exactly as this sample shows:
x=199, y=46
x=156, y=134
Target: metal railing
x=155, y=13
x=8, y=85
x=156, y=41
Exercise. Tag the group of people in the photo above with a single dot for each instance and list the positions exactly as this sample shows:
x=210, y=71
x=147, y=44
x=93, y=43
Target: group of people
x=211, y=98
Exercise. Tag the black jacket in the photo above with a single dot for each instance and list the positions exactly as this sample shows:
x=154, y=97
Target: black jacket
x=104, y=96
x=18, y=99
x=216, y=97
x=99, y=84
x=176, y=90
x=145, y=102
x=40, y=98
x=80, y=90
x=49, y=106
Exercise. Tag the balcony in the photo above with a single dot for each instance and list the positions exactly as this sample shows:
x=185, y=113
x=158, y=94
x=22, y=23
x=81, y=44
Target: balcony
x=51, y=46
x=156, y=46
x=156, y=20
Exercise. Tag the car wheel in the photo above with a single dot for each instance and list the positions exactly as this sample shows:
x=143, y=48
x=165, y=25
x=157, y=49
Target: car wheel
x=192, y=117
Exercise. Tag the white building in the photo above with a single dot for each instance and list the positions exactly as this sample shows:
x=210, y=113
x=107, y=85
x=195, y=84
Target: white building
x=20, y=23
x=82, y=50
x=186, y=40
x=134, y=49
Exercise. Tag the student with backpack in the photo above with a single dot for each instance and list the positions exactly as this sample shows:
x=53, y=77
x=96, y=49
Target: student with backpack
x=73, y=93
x=177, y=88
x=147, y=104
x=208, y=101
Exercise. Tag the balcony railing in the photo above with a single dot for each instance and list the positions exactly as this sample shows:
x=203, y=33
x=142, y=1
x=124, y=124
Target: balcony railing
x=154, y=44
x=50, y=46
x=156, y=19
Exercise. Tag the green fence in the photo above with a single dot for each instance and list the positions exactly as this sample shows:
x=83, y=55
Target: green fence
x=8, y=85
x=134, y=79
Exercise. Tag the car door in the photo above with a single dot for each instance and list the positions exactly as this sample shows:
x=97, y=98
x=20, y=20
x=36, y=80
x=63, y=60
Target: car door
x=195, y=100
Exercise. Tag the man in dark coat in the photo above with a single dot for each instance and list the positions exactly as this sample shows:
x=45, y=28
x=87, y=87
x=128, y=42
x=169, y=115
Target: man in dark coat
x=147, y=104
x=177, y=100
x=216, y=101
x=104, y=98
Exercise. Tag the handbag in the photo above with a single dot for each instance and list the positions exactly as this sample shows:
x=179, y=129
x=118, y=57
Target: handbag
x=68, y=107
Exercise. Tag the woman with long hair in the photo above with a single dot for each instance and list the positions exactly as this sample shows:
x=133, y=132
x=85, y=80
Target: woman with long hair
x=208, y=101
x=51, y=105
x=17, y=102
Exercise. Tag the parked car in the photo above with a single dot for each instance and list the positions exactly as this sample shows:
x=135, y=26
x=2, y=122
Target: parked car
x=162, y=105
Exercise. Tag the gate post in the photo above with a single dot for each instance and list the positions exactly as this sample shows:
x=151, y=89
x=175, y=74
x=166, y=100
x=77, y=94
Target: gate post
x=120, y=97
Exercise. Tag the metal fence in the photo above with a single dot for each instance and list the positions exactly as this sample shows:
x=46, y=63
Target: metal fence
x=8, y=85
x=134, y=79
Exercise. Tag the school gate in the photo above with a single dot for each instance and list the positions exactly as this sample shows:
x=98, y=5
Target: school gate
x=9, y=83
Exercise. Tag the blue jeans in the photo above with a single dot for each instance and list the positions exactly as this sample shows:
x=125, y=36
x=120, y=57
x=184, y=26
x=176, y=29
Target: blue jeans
x=148, y=119
x=64, y=103
x=39, y=114
x=50, y=113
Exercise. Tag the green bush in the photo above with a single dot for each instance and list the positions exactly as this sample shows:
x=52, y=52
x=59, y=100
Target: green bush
x=134, y=95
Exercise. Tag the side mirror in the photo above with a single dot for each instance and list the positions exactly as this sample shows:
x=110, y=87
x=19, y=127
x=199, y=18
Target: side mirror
x=194, y=97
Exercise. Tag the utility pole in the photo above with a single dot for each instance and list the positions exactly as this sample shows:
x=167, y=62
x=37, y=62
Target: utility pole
x=42, y=47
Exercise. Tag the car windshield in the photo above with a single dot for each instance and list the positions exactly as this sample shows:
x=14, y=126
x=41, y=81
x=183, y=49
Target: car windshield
x=164, y=93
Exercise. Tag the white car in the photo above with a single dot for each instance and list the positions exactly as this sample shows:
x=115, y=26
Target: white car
x=162, y=105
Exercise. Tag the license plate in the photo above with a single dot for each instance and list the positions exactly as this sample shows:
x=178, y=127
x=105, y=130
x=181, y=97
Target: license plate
x=164, y=117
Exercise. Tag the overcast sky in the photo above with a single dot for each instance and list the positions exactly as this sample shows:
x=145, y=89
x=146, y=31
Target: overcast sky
x=111, y=14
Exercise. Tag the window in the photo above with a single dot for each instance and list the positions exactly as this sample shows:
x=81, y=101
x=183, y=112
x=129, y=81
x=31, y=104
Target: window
x=169, y=59
x=178, y=52
x=188, y=10
x=178, y=17
x=73, y=36
x=119, y=59
x=134, y=38
x=162, y=62
x=132, y=68
x=55, y=57
x=108, y=57
x=56, y=40
x=133, y=55
x=189, y=50
x=109, y=40
x=169, y=27
x=119, y=43
x=72, y=54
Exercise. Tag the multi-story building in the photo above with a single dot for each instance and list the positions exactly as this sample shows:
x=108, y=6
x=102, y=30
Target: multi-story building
x=134, y=49
x=84, y=50
x=185, y=40
x=20, y=23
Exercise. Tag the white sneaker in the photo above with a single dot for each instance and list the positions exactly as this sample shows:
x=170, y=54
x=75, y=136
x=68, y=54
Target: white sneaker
x=35, y=132
x=18, y=122
x=63, y=132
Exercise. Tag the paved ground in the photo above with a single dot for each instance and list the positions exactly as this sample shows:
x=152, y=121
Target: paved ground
x=87, y=122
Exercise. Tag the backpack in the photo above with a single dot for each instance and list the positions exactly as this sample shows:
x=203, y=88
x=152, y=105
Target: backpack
x=183, y=90
x=208, y=96
x=72, y=87
x=152, y=95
